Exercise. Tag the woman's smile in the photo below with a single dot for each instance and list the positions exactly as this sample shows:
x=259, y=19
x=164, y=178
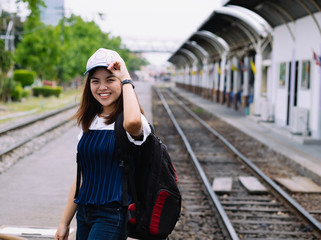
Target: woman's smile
x=104, y=95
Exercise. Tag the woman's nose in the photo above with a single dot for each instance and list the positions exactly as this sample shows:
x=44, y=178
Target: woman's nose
x=103, y=86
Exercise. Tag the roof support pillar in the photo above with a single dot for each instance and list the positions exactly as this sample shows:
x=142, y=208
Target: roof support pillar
x=318, y=132
x=222, y=77
x=205, y=74
x=292, y=87
x=211, y=73
x=246, y=77
x=237, y=75
x=257, y=83
x=228, y=81
x=187, y=79
x=236, y=81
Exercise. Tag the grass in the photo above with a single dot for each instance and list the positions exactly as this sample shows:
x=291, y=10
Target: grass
x=198, y=110
x=38, y=104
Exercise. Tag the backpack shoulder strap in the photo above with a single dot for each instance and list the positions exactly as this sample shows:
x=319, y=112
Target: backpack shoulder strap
x=124, y=148
x=120, y=133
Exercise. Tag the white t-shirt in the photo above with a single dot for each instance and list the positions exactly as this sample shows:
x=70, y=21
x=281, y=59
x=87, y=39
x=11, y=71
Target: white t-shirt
x=99, y=124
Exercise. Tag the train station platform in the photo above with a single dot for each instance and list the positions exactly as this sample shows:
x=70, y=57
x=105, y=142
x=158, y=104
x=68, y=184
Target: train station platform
x=35, y=189
x=305, y=157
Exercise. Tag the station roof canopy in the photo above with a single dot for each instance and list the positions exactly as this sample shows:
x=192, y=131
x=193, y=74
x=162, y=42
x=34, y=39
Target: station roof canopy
x=228, y=28
x=278, y=12
x=238, y=26
x=240, y=23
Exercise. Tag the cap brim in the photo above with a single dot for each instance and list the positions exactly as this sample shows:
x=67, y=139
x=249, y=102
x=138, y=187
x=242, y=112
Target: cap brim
x=98, y=65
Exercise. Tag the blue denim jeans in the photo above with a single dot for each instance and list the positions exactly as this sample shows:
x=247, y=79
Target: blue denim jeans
x=100, y=223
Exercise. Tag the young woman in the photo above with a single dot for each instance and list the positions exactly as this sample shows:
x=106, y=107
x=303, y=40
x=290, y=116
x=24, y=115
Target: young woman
x=108, y=91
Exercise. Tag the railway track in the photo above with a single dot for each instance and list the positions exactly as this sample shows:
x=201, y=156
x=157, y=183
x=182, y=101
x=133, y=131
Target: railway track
x=16, y=139
x=268, y=214
x=273, y=164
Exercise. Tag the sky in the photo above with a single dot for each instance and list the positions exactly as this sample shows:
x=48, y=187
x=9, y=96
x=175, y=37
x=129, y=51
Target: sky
x=135, y=20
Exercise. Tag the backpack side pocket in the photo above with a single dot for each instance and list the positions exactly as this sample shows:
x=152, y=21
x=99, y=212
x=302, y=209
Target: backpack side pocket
x=166, y=212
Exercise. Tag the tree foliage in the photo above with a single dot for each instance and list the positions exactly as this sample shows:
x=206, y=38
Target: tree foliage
x=6, y=60
x=33, y=18
x=44, y=52
x=39, y=51
x=81, y=39
x=6, y=63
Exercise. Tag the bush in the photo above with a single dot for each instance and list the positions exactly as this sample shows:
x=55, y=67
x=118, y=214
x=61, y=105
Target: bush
x=8, y=86
x=26, y=93
x=47, y=91
x=16, y=93
x=25, y=77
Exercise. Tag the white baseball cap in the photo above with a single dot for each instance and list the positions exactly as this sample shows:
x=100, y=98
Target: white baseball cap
x=101, y=58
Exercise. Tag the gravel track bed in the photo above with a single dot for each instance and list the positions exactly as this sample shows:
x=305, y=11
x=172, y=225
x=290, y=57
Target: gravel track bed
x=17, y=135
x=198, y=220
x=270, y=162
x=240, y=205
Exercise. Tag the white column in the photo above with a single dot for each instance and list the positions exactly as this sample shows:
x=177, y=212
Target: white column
x=187, y=76
x=246, y=76
x=257, y=83
x=215, y=75
x=236, y=76
x=228, y=76
x=205, y=76
x=318, y=132
x=194, y=73
x=222, y=76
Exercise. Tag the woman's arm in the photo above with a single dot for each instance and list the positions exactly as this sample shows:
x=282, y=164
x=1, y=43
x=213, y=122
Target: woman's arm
x=132, y=115
x=69, y=212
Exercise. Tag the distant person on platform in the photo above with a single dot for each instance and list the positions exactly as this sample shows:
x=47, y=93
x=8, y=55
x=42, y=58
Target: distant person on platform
x=108, y=91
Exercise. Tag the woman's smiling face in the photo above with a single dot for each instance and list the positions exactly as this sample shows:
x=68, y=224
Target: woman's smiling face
x=105, y=88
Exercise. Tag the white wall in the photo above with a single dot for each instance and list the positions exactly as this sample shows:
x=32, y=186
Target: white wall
x=307, y=39
x=283, y=47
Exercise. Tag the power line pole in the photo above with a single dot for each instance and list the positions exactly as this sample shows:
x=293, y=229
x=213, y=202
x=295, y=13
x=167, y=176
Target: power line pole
x=8, y=38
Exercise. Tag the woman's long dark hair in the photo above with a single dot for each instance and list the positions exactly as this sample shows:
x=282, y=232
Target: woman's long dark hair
x=90, y=107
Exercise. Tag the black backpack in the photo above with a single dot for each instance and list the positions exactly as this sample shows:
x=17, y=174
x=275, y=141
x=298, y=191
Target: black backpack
x=157, y=200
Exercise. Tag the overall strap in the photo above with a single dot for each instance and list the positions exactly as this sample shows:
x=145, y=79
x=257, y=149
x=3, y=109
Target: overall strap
x=78, y=176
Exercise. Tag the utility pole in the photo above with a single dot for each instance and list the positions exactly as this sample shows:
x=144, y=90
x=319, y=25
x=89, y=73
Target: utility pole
x=8, y=37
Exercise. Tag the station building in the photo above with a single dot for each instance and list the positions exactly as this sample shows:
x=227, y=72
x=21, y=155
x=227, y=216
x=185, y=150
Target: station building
x=261, y=57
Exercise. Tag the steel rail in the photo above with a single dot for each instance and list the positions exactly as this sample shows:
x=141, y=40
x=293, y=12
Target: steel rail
x=19, y=144
x=286, y=197
x=229, y=227
x=23, y=124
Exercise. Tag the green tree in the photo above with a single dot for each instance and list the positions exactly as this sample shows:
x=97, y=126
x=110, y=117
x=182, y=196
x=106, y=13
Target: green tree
x=5, y=59
x=6, y=63
x=40, y=51
x=33, y=19
x=82, y=39
x=39, y=48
